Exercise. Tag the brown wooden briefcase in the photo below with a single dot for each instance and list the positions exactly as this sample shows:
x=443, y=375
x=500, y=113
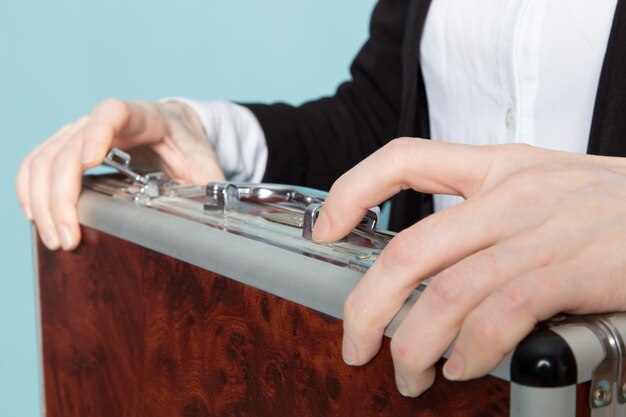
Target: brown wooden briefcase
x=213, y=301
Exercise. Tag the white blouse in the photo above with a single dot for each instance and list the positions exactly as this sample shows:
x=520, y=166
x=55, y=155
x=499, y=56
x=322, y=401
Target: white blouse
x=496, y=71
x=514, y=71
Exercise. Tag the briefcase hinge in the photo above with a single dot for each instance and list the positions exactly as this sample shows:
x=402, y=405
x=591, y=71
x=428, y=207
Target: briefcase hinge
x=608, y=382
x=609, y=376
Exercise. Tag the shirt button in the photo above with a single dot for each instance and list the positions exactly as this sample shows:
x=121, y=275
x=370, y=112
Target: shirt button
x=510, y=119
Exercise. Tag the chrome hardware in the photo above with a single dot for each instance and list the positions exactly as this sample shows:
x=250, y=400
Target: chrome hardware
x=311, y=214
x=612, y=369
x=609, y=376
x=367, y=224
x=120, y=160
x=288, y=219
x=225, y=197
x=601, y=396
x=148, y=184
x=262, y=193
x=364, y=262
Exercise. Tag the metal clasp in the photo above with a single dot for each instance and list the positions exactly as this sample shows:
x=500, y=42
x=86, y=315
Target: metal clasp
x=225, y=197
x=312, y=212
x=148, y=184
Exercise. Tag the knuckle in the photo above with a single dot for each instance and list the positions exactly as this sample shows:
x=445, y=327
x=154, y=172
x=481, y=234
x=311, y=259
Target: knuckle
x=400, y=351
x=448, y=286
x=61, y=209
x=362, y=318
x=58, y=209
x=64, y=156
x=486, y=264
x=513, y=298
x=482, y=329
x=397, y=149
x=340, y=183
x=406, y=358
x=529, y=178
x=113, y=104
x=354, y=310
x=39, y=161
x=96, y=133
x=401, y=252
x=513, y=151
x=527, y=187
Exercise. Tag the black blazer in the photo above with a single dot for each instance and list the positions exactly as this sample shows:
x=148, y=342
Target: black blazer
x=315, y=143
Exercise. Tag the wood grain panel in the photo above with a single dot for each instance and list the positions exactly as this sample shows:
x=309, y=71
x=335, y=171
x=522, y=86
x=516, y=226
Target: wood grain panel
x=131, y=332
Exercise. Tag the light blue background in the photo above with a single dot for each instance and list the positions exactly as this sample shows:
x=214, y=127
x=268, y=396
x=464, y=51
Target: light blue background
x=59, y=58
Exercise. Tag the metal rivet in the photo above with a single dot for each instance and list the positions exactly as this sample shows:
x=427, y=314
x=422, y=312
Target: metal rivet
x=600, y=396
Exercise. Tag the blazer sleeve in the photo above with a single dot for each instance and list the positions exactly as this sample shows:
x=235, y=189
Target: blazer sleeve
x=313, y=144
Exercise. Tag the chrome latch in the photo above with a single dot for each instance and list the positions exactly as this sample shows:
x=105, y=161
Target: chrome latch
x=225, y=197
x=367, y=225
x=148, y=184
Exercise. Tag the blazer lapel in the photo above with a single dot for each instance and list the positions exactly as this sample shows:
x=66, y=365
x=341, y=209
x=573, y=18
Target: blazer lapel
x=414, y=115
x=409, y=206
x=608, y=126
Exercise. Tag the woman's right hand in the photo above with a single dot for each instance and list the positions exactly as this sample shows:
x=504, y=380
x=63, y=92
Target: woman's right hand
x=167, y=136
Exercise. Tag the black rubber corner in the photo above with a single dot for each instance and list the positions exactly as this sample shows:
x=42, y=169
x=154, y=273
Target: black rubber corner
x=543, y=359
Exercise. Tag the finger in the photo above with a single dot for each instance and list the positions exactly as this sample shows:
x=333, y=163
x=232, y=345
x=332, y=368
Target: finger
x=419, y=383
x=22, y=179
x=39, y=191
x=422, y=250
x=115, y=122
x=434, y=321
x=64, y=192
x=423, y=165
x=497, y=325
x=40, y=180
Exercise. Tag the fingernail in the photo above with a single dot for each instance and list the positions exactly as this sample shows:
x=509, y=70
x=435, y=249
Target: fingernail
x=403, y=386
x=453, y=368
x=348, y=350
x=321, y=228
x=89, y=153
x=50, y=239
x=66, y=237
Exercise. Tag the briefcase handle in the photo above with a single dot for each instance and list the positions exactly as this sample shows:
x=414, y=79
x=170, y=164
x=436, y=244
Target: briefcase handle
x=225, y=197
